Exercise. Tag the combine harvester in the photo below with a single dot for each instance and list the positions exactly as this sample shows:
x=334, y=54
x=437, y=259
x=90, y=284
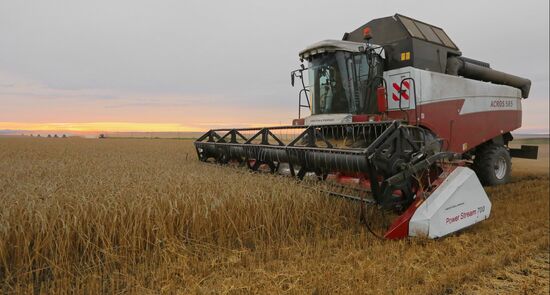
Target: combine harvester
x=400, y=121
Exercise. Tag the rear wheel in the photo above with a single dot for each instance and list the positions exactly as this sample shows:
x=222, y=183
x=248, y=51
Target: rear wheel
x=493, y=164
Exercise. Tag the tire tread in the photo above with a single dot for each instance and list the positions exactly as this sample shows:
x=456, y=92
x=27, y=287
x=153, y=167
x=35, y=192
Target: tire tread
x=483, y=164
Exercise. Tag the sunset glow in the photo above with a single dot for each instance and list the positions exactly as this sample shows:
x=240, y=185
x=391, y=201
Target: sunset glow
x=99, y=126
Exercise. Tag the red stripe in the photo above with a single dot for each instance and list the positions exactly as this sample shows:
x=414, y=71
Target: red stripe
x=396, y=87
x=394, y=97
x=403, y=94
x=455, y=129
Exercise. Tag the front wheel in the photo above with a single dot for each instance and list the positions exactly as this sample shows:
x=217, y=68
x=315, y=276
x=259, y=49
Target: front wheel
x=493, y=164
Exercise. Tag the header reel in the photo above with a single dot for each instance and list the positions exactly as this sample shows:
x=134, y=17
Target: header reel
x=396, y=163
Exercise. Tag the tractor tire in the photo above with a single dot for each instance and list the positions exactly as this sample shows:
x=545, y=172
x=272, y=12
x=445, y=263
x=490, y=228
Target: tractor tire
x=493, y=164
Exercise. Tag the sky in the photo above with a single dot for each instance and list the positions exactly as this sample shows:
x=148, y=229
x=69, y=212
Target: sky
x=133, y=65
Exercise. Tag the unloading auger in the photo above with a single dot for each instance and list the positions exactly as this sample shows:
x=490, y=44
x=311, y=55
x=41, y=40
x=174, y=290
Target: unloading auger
x=398, y=119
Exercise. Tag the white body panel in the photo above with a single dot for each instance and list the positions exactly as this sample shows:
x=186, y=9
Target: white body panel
x=434, y=87
x=328, y=119
x=458, y=202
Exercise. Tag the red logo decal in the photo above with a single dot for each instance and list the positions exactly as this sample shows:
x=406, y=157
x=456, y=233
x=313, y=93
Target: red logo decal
x=404, y=93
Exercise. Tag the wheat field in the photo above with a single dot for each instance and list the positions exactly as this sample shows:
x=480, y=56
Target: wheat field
x=144, y=216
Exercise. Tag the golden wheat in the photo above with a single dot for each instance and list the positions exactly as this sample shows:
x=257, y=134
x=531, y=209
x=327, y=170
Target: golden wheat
x=144, y=216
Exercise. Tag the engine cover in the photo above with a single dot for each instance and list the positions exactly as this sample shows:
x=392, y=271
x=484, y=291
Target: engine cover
x=460, y=201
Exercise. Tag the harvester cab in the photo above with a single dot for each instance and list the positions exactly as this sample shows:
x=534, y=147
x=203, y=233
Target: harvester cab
x=342, y=76
x=398, y=120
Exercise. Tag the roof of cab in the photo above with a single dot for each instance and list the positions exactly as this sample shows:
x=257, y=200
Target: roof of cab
x=331, y=46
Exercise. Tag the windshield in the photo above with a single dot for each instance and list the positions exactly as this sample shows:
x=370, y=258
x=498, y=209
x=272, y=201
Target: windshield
x=337, y=81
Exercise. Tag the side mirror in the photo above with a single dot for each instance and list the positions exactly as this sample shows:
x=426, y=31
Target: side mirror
x=292, y=79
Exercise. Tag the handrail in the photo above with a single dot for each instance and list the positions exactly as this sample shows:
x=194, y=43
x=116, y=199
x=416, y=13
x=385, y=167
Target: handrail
x=415, y=102
x=300, y=105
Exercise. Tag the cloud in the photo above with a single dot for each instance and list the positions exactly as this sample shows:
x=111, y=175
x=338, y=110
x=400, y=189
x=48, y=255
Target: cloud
x=199, y=63
x=17, y=86
x=31, y=105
